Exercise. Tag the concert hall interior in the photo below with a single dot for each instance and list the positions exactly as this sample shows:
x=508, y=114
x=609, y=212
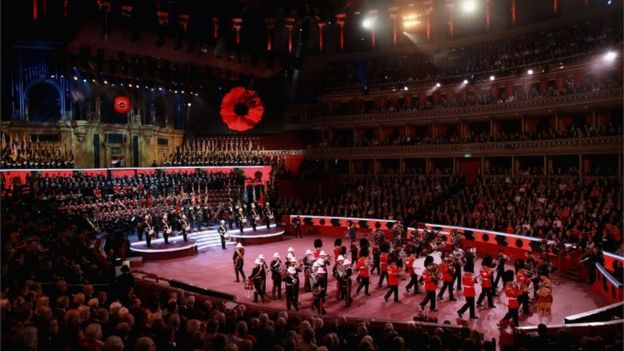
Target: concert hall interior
x=312, y=175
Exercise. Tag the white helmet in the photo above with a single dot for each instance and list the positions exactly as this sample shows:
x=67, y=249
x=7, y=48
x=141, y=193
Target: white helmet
x=239, y=246
x=320, y=270
x=222, y=222
x=308, y=252
x=258, y=261
x=290, y=249
x=261, y=257
x=340, y=258
x=323, y=253
x=292, y=270
x=346, y=262
x=276, y=255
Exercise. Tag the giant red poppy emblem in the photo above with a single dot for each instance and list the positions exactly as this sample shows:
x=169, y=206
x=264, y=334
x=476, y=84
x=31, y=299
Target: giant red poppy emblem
x=122, y=105
x=241, y=109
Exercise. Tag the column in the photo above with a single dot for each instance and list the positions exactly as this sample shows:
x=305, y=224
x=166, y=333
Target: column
x=373, y=18
x=215, y=27
x=290, y=24
x=340, y=20
x=513, y=12
x=394, y=16
x=555, y=4
x=428, y=12
x=321, y=27
x=270, y=24
x=451, y=19
x=237, y=24
x=487, y=14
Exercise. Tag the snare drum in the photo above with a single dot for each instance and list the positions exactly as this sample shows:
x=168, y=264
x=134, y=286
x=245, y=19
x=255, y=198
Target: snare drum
x=151, y=232
x=257, y=218
x=169, y=231
x=271, y=217
x=244, y=221
x=187, y=228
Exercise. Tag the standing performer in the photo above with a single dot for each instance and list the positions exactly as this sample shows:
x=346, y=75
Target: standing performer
x=383, y=263
x=258, y=277
x=297, y=223
x=337, y=272
x=458, y=261
x=469, y=281
x=363, y=273
x=345, y=282
x=319, y=290
x=223, y=233
x=522, y=282
x=149, y=230
x=276, y=276
x=544, y=295
x=351, y=231
x=501, y=259
x=409, y=264
x=268, y=215
x=512, y=291
x=186, y=228
x=238, y=259
x=393, y=281
x=292, y=281
x=166, y=229
x=486, y=282
x=448, y=271
x=308, y=260
x=254, y=218
x=242, y=219
x=430, y=277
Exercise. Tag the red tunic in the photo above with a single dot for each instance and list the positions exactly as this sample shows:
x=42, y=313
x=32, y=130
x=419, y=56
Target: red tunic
x=362, y=267
x=410, y=265
x=512, y=292
x=383, y=261
x=468, y=282
x=486, y=277
x=447, y=276
x=430, y=283
x=393, y=276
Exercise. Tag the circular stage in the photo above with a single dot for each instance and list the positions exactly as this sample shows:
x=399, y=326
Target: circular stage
x=201, y=240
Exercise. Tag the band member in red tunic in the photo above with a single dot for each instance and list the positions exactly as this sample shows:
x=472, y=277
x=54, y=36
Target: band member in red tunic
x=393, y=281
x=468, y=281
x=430, y=277
x=409, y=265
x=383, y=260
x=448, y=271
x=512, y=291
x=522, y=281
x=363, y=272
x=486, y=274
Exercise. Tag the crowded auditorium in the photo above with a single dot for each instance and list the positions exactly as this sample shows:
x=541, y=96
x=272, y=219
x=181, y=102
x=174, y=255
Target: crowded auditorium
x=312, y=175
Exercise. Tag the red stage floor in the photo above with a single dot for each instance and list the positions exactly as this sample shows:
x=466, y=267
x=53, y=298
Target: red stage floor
x=213, y=269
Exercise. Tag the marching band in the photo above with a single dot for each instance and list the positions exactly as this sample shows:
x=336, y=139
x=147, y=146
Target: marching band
x=398, y=261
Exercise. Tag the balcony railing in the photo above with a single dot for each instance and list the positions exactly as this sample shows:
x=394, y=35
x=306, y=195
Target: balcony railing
x=599, y=97
x=590, y=145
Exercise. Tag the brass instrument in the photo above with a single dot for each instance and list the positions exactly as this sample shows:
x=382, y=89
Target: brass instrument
x=434, y=269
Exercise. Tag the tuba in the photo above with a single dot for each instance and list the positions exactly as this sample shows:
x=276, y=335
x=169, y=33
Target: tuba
x=434, y=269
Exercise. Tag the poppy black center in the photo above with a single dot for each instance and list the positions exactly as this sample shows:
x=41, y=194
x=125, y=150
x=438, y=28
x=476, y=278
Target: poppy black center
x=241, y=109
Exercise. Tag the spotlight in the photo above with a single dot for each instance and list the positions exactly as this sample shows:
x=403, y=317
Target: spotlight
x=130, y=85
x=609, y=56
x=189, y=104
x=438, y=85
x=530, y=72
x=52, y=76
x=410, y=21
x=75, y=78
x=469, y=6
x=492, y=78
x=368, y=23
x=182, y=91
x=405, y=88
x=84, y=80
x=93, y=80
x=175, y=91
x=465, y=81
x=160, y=89
x=105, y=82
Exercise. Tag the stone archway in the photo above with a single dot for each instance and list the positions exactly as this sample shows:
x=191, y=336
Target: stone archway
x=44, y=101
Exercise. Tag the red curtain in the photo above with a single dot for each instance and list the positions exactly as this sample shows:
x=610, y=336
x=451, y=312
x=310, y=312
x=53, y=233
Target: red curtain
x=293, y=163
x=470, y=169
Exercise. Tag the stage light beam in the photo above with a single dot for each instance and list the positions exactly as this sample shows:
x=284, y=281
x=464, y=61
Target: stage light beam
x=609, y=56
x=469, y=6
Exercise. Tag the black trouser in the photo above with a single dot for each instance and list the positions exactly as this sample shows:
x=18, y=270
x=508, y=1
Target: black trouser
x=222, y=242
x=448, y=285
x=297, y=293
x=241, y=226
x=306, y=275
x=470, y=303
x=536, y=282
x=319, y=301
x=166, y=236
x=346, y=287
x=499, y=277
x=291, y=297
x=258, y=290
x=268, y=223
x=184, y=235
x=298, y=232
x=413, y=282
x=513, y=314
x=364, y=283
x=238, y=270
x=431, y=297
x=375, y=268
x=489, y=293
x=523, y=300
x=277, y=285
x=458, y=277
x=253, y=225
x=384, y=274
x=140, y=235
x=393, y=289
